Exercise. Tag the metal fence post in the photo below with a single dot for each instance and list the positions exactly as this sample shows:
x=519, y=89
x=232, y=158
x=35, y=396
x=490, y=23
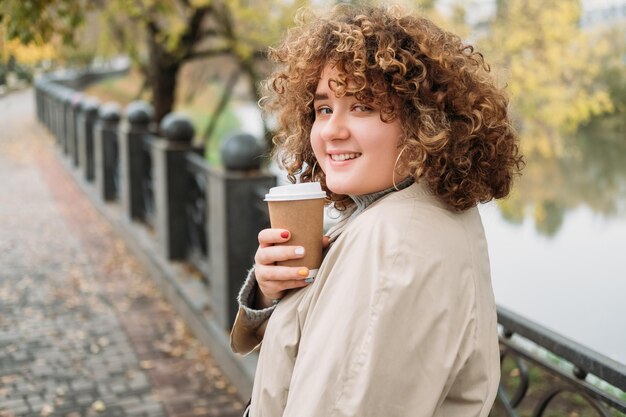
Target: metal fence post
x=170, y=184
x=139, y=115
x=106, y=151
x=236, y=214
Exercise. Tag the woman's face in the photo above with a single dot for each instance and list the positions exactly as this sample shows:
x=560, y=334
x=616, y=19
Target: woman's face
x=356, y=150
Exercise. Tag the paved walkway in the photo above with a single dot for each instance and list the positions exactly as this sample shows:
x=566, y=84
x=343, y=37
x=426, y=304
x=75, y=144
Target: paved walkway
x=83, y=331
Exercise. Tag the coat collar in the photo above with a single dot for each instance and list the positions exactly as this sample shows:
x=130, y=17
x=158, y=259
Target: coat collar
x=410, y=189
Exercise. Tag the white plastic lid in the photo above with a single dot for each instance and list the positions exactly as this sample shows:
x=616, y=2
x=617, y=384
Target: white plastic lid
x=302, y=191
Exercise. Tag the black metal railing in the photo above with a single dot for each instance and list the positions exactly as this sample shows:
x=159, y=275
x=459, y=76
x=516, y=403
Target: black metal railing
x=572, y=377
x=261, y=209
x=196, y=209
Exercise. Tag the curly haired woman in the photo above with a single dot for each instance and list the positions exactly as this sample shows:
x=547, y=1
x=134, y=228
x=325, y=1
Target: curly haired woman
x=407, y=132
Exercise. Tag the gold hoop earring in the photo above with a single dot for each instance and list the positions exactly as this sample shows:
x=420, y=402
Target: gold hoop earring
x=313, y=171
x=393, y=173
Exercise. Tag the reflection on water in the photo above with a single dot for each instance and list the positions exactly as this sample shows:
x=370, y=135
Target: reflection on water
x=589, y=172
x=573, y=283
x=557, y=247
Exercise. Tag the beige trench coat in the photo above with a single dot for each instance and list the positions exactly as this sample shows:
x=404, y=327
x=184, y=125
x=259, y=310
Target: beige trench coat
x=400, y=321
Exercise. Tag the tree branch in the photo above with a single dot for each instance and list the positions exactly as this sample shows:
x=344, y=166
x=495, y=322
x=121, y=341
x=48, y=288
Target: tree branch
x=260, y=54
x=192, y=35
x=209, y=33
x=208, y=53
x=153, y=28
x=221, y=106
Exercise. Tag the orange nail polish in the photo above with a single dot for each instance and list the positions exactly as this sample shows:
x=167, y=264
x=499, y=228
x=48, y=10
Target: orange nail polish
x=304, y=272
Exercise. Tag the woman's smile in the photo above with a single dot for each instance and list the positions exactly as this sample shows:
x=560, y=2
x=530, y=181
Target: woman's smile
x=344, y=156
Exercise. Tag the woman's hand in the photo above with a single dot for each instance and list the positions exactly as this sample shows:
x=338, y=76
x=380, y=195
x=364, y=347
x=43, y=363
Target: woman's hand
x=274, y=280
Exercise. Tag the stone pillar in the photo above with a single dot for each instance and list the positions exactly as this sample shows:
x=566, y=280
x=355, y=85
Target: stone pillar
x=61, y=95
x=47, y=106
x=139, y=115
x=76, y=105
x=86, y=121
x=41, y=94
x=170, y=184
x=68, y=123
x=39, y=98
x=236, y=215
x=54, y=112
x=106, y=166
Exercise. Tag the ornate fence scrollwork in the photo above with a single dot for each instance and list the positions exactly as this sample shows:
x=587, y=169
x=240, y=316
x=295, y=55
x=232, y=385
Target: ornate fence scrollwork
x=566, y=362
x=196, y=213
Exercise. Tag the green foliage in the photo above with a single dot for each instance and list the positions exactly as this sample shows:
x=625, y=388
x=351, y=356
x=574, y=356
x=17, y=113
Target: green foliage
x=38, y=20
x=3, y=74
x=256, y=31
x=613, y=68
x=551, y=68
x=227, y=124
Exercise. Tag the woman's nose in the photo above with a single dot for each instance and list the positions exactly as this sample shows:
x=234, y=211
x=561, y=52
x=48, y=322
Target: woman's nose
x=335, y=128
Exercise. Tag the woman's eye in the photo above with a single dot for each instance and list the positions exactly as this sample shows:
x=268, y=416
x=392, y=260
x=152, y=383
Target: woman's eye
x=361, y=108
x=324, y=110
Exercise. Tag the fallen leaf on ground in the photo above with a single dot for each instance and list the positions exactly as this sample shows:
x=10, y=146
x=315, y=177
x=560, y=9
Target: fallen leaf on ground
x=46, y=410
x=98, y=406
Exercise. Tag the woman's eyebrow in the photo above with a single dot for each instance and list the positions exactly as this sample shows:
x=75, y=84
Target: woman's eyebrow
x=324, y=96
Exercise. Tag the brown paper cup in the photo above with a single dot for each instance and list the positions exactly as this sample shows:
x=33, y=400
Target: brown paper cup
x=304, y=218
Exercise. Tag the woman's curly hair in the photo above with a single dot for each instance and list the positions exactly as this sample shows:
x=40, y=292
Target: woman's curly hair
x=456, y=129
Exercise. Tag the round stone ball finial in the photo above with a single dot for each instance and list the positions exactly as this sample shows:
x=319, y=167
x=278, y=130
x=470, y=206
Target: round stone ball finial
x=55, y=91
x=46, y=87
x=139, y=112
x=66, y=95
x=90, y=106
x=110, y=112
x=84, y=102
x=77, y=100
x=39, y=82
x=177, y=128
x=242, y=152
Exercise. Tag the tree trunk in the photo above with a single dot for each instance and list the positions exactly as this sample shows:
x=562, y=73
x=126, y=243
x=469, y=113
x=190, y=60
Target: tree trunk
x=163, y=71
x=253, y=77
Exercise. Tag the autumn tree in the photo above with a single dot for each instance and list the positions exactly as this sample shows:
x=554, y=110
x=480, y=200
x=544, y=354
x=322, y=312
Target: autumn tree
x=562, y=79
x=551, y=68
x=162, y=35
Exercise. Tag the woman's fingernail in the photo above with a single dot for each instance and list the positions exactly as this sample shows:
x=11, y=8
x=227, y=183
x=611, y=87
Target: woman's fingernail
x=309, y=280
x=284, y=234
x=299, y=250
x=303, y=272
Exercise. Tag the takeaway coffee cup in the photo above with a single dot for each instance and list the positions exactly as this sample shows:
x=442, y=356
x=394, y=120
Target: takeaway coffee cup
x=299, y=208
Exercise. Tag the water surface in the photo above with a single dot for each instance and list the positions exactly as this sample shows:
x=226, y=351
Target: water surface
x=573, y=282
